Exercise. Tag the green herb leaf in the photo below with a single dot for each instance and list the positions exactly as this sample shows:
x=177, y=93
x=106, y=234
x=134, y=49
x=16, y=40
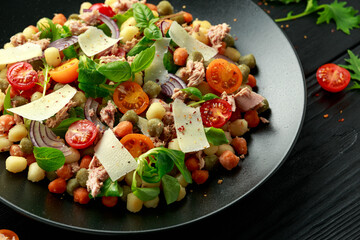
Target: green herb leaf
x=193, y=91
x=7, y=102
x=153, y=32
x=110, y=189
x=121, y=18
x=76, y=112
x=94, y=91
x=70, y=52
x=49, y=159
x=116, y=71
x=286, y=1
x=61, y=129
x=50, y=30
x=353, y=65
x=143, y=60
x=216, y=136
x=146, y=194
x=143, y=44
x=168, y=62
x=171, y=188
x=143, y=15
x=88, y=72
x=355, y=86
x=346, y=18
x=209, y=96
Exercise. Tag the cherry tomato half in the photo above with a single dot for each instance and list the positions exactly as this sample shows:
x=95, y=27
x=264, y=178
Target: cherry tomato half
x=22, y=76
x=332, y=77
x=81, y=134
x=223, y=76
x=104, y=9
x=137, y=144
x=67, y=72
x=215, y=113
x=8, y=234
x=130, y=96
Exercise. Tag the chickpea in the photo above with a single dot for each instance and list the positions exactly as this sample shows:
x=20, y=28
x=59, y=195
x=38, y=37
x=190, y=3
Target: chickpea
x=211, y=150
x=232, y=53
x=130, y=116
x=249, y=60
x=223, y=148
x=82, y=176
x=71, y=185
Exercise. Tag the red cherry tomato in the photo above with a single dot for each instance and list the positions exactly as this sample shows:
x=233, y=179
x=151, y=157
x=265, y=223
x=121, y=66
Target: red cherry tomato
x=81, y=134
x=22, y=76
x=332, y=77
x=215, y=113
x=104, y=9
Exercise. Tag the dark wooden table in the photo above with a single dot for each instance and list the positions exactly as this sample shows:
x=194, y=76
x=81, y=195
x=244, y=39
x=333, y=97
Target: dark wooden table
x=316, y=192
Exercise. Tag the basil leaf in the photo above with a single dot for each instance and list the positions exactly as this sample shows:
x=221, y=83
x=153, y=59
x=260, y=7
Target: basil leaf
x=143, y=60
x=163, y=164
x=49, y=159
x=153, y=32
x=76, y=112
x=171, y=188
x=116, y=71
x=7, y=102
x=142, y=15
x=61, y=129
x=143, y=44
x=209, y=96
x=215, y=136
x=193, y=91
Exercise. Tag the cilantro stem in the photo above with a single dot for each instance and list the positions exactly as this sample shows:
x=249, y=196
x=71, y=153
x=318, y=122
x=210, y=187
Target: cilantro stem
x=309, y=10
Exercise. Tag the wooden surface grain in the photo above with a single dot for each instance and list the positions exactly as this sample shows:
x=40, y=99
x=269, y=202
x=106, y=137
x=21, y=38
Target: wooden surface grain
x=316, y=192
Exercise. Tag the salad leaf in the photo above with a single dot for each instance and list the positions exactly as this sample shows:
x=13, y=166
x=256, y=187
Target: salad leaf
x=52, y=31
x=193, y=91
x=49, y=159
x=345, y=18
x=143, y=60
x=209, y=96
x=61, y=129
x=70, y=52
x=143, y=15
x=216, y=136
x=121, y=18
x=76, y=112
x=7, y=102
x=171, y=188
x=153, y=32
x=353, y=65
x=116, y=71
x=154, y=165
x=143, y=44
x=168, y=62
x=110, y=189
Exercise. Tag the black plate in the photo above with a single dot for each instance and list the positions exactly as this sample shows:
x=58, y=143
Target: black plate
x=280, y=80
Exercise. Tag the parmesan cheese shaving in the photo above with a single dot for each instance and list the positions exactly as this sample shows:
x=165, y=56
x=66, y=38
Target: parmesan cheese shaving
x=182, y=38
x=157, y=70
x=189, y=127
x=115, y=158
x=20, y=53
x=46, y=106
x=94, y=41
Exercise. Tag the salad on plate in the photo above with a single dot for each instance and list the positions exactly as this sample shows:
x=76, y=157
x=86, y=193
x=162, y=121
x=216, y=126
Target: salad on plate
x=126, y=101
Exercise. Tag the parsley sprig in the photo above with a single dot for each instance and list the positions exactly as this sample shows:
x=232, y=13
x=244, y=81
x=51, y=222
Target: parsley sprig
x=345, y=17
x=354, y=67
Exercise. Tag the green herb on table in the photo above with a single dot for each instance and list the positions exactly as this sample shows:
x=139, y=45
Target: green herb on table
x=354, y=68
x=346, y=18
x=110, y=189
x=49, y=159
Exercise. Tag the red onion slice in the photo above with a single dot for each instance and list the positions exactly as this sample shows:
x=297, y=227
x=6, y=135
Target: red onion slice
x=42, y=136
x=173, y=82
x=90, y=109
x=64, y=43
x=115, y=33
